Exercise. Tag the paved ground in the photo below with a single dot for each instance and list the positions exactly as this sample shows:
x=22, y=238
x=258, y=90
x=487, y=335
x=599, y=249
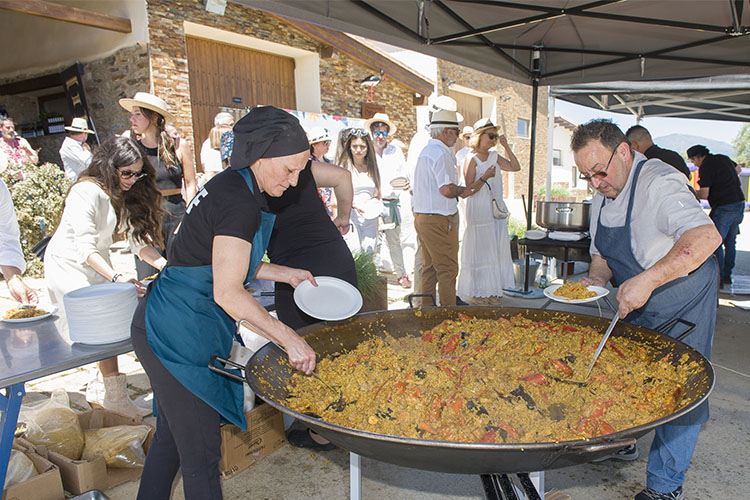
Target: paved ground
x=718, y=470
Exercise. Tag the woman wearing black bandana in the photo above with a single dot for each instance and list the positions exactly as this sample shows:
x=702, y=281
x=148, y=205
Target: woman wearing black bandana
x=190, y=311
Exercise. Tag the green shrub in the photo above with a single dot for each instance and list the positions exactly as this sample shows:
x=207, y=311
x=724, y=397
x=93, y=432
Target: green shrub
x=517, y=227
x=367, y=273
x=38, y=200
x=555, y=192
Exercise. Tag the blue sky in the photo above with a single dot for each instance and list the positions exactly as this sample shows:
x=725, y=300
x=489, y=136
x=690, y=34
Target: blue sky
x=712, y=129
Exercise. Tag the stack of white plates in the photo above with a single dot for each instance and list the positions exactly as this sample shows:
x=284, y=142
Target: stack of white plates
x=100, y=314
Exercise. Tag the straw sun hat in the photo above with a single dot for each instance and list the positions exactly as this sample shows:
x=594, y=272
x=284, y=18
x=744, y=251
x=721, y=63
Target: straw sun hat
x=79, y=125
x=444, y=118
x=483, y=124
x=148, y=101
x=381, y=118
x=318, y=134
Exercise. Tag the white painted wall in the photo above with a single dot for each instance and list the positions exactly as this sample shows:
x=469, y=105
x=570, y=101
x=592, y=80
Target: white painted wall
x=561, y=141
x=34, y=45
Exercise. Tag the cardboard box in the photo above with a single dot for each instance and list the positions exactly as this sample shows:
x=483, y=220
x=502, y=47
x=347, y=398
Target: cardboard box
x=47, y=485
x=80, y=476
x=239, y=450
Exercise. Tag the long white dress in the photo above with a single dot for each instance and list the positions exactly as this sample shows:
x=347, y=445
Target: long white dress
x=363, y=234
x=486, y=264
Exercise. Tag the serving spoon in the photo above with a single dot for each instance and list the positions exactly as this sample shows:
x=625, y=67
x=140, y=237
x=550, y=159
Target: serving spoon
x=596, y=354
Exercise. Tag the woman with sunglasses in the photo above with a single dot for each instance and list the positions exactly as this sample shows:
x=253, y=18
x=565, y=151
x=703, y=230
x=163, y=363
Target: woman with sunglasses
x=116, y=193
x=486, y=263
x=358, y=156
x=172, y=158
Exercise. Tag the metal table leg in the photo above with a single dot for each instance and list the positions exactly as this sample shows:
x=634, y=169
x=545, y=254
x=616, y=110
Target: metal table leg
x=355, y=476
x=10, y=405
x=501, y=487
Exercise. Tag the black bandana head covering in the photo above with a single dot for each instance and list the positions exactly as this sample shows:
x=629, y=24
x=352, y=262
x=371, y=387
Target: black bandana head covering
x=266, y=132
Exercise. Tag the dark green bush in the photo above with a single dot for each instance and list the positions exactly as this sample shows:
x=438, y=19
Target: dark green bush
x=38, y=200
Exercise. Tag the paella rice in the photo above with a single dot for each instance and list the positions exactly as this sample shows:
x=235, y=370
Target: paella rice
x=24, y=312
x=574, y=291
x=494, y=381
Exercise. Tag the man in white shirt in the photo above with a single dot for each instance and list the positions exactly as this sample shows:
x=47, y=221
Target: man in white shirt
x=12, y=263
x=393, y=181
x=75, y=152
x=436, y=193
x=210, y=153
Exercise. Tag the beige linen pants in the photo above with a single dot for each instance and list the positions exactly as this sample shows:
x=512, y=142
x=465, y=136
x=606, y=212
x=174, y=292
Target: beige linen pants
x=438, y=238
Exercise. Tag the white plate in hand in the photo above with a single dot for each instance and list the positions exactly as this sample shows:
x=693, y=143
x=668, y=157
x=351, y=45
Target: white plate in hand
x=47, y=307
x=600, y=292
x=333, y=299
x=399, y=182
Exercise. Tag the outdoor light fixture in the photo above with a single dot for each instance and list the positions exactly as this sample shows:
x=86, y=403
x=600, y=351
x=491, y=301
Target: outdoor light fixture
x=216, y=6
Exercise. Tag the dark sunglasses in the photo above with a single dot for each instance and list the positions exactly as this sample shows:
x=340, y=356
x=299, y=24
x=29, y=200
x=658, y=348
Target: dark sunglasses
x=127, y=174
x=380, y=133
x=492, y=136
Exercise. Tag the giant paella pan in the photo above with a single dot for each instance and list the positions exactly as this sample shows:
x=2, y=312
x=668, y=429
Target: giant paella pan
x=269, y=374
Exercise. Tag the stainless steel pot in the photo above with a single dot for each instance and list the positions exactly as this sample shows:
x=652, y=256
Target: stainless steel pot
x=563, y=216
x=267, y=373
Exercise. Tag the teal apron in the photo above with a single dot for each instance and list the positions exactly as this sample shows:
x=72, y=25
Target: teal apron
x=185, y=326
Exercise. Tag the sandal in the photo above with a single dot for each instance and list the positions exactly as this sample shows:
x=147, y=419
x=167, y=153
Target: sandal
x=301, y=438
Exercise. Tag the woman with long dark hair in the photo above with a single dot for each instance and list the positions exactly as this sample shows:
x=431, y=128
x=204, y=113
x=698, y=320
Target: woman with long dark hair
x=115, y=194
x=172, y=159
x=359, y=157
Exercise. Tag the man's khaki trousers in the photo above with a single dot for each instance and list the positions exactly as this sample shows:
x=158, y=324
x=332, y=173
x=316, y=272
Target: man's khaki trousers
x=438, y=238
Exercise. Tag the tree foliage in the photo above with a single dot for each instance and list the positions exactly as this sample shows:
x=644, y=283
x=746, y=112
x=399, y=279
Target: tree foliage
x=38, y=200
x=741, y=145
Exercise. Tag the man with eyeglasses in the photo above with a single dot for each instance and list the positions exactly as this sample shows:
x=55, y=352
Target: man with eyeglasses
x=651, y=236
x=393, y=182
x=436, y=193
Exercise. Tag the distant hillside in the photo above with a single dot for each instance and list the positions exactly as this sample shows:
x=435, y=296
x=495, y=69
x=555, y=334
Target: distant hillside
x=680, y=143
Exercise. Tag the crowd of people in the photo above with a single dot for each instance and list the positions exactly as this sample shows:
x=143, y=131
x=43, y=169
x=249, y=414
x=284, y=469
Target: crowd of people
x=268, y=188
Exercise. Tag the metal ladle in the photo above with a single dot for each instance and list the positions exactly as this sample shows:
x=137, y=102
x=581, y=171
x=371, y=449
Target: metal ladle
x=337, y=405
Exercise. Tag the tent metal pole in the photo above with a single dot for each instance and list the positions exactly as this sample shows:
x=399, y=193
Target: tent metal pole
x=534, y=104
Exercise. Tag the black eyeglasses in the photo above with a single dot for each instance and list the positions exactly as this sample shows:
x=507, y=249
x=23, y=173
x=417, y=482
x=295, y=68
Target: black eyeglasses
x=127, y=174
x=380, y=133
x=601, y=174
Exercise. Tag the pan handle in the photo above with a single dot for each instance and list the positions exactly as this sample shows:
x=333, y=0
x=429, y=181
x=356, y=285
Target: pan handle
x=412, y=295
x=608, y=446
x=669, y=324
x=224, y=371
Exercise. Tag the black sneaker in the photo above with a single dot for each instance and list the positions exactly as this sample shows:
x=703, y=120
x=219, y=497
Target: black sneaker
x=628, y=454
x=649, y=494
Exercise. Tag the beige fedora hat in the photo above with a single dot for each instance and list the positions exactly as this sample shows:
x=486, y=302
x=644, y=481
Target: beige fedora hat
x=444, y=118
x=148, y=101
x=382, y=118
x=483, y=124
x=79, y=125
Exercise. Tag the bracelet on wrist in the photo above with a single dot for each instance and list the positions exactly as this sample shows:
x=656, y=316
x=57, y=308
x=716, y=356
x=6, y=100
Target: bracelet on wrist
x=115, y=276
x=482, y=179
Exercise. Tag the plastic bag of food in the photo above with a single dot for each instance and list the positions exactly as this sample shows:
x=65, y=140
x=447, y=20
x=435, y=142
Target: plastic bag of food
x=20, y=468
x=121, y=446
x=54, y=425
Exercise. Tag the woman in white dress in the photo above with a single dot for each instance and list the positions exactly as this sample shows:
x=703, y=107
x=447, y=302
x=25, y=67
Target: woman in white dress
x=486, y=264
x=116, y=193
x=358, y=156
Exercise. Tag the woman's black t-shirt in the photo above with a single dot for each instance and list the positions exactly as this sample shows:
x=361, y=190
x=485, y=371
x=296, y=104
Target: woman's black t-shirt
x=301, y=220
x=225, y=206
x=166, y=178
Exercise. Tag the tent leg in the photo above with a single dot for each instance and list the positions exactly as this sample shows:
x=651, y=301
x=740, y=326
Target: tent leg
x=534, y=105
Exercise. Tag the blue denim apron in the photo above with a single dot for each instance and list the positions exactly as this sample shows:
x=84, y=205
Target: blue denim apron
x=693, y=297
x=185, y=326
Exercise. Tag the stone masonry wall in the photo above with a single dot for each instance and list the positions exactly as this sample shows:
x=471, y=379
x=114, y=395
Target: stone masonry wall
x=341, y=93
x=513, y=101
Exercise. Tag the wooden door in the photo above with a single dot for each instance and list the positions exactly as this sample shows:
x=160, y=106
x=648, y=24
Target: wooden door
x=469, y=106
x=226, y=76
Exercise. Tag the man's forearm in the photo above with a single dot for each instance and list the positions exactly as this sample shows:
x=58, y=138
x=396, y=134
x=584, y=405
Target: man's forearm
x=451, y=190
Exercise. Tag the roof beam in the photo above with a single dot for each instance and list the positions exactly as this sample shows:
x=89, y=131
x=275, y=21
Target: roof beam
x=68, y=14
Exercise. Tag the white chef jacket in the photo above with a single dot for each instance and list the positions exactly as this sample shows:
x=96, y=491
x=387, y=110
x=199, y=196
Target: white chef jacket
x=663, y=209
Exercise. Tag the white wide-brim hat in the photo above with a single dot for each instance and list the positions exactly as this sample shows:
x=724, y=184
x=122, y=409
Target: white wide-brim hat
x=444, y=118
x=467, y=130
x=79, y=125
x=318, y=134
x=381, y=118
x=148, y=101
x=483, y=124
